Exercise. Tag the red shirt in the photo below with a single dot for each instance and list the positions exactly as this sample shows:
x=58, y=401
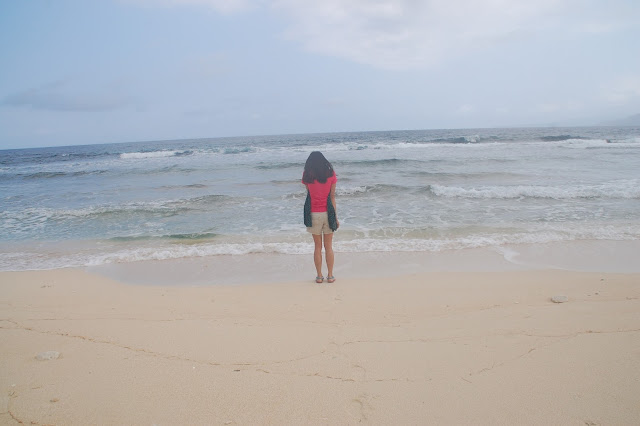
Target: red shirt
x=319, y=193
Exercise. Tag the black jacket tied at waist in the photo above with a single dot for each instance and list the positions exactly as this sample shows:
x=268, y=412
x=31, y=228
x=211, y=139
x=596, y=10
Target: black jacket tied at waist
x=331, y=213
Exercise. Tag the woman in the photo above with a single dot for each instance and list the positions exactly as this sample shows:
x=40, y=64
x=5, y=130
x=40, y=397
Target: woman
x=320, y=180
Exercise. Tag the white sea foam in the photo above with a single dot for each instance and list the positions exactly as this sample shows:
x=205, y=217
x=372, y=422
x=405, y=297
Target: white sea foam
x=509, y=254
x=47, y=213
x=472, y=142
x=151, y=154
x=586, y=143
x=133, y=252
x=627, y=189
x=350, y=190
x=624, y=143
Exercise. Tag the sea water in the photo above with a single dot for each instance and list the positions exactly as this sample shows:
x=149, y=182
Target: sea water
x=397, y=191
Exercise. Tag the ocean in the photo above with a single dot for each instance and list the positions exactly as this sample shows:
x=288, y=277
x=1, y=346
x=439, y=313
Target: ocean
x=397, y=191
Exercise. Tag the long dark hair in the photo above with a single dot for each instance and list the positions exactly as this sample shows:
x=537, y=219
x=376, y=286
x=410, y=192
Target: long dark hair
x=317, y=168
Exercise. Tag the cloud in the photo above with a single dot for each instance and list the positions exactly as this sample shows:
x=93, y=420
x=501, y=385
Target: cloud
x=333, y=102
x=465, y=109
x=209, y=66
x=400, y=34
x=560, y=107
x=225, y=7
x=601, y=19
x=623, y=90
x=57, y=96
x=405, y=34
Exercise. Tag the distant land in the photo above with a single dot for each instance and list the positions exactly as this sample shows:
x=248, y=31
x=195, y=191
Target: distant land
x=632, y=120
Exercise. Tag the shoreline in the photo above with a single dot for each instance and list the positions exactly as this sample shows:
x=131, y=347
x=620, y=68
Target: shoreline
x=463, y=347
x=580, y=255
x=265, y=268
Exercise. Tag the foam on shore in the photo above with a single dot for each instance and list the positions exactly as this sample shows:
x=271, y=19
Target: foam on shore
x=586, y=256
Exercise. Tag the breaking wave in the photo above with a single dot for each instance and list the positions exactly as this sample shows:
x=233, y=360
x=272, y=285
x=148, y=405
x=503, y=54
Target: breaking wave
x=628, y=189
x=154, y=154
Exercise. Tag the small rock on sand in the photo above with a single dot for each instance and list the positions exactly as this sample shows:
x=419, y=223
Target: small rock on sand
x=559, y=299
x=48, y=355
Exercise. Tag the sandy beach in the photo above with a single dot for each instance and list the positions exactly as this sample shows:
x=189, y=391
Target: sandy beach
x=429, y=347
x=482, y=159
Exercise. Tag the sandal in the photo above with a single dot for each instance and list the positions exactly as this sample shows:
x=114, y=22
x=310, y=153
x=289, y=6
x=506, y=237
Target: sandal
x=319, y=279
x=331, y=279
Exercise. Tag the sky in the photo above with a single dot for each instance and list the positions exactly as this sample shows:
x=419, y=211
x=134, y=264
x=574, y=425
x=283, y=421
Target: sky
x=83, y=72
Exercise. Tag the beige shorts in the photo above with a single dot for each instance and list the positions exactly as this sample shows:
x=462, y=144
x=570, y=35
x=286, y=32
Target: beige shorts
x=319, y=224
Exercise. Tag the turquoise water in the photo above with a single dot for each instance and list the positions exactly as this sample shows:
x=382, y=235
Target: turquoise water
x=397, y=191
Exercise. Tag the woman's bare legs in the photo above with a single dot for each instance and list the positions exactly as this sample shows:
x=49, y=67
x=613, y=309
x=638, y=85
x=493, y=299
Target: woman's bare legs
x=328, y=249
x=317, y=254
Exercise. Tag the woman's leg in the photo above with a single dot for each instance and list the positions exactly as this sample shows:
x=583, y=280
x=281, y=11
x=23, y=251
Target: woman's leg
x=317, y=254
x=328, y=252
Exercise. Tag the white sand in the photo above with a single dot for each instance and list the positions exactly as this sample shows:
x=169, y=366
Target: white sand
x=421, y=348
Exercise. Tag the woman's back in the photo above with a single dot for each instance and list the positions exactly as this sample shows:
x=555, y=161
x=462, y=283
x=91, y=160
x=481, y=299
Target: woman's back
x=319, y=193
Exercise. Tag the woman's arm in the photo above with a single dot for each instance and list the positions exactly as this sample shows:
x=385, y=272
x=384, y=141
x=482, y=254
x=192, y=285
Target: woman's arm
x=333, y=201
x=333, y=197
